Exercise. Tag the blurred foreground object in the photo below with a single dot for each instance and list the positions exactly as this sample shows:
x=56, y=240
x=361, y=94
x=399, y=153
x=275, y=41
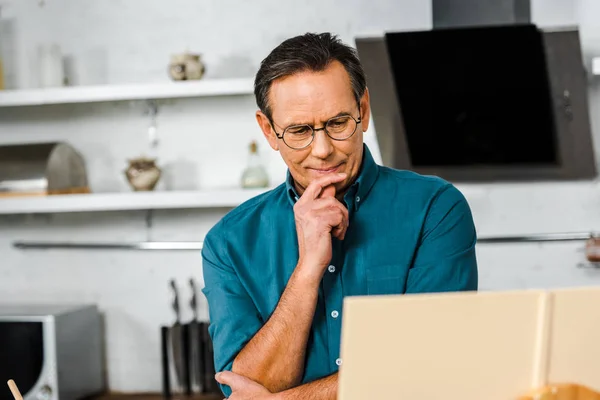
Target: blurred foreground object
x=41, y=169
x=14, y=390
x=563, y=392
x=523, y=340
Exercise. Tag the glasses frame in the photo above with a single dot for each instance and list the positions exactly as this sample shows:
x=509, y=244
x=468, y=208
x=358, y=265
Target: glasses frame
x=314, y=130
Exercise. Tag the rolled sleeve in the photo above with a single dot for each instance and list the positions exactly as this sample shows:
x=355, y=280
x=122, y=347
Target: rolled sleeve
x=234, y=318
x=445, y=259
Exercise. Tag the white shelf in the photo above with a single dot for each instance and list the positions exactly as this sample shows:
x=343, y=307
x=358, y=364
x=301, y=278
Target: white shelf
x=126, y=201
x=91, y=94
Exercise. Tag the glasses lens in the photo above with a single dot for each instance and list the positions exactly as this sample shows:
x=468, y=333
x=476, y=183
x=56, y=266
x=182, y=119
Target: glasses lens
x=298, y=137
x=341, y=127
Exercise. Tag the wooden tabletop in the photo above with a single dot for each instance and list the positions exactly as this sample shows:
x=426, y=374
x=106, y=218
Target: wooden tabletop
x=154, y=396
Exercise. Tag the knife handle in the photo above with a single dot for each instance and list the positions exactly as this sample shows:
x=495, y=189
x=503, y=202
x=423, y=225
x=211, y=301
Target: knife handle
x=164, y=351
x=194, y=299
x=175, y=303
x=185, y=347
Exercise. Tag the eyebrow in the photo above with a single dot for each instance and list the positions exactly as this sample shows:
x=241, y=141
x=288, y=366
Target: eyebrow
x=340, y=114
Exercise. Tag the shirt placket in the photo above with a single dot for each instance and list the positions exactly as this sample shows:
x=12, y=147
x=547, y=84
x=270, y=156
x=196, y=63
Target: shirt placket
x=333, y=290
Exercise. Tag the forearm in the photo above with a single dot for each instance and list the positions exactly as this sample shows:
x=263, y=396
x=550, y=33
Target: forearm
x=274, y=357
x=322, y=389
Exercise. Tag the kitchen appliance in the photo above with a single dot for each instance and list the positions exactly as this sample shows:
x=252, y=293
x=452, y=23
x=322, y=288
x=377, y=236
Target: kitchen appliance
x=40, y=169
x=481, y=103
x=52, y=352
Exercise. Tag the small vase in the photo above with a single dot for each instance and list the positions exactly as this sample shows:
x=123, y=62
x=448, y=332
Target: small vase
x=186, y=66
x=143, y=174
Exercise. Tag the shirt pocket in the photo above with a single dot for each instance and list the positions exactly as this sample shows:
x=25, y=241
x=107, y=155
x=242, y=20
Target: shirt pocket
x=386, y=279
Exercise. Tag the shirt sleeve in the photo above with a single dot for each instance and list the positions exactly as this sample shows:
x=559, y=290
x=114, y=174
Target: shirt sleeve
x=234, y=318
x=445, y=259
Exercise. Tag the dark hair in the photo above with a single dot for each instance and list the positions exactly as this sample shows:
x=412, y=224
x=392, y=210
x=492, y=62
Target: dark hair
x=308, y=52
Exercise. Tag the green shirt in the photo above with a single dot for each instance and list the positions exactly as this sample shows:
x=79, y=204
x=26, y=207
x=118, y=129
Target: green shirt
x=408, y=234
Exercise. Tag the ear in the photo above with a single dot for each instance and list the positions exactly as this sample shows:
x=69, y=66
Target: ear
x=365, y=110
x=267, y=130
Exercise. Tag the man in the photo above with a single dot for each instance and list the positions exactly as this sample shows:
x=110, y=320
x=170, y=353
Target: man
x=277, y=268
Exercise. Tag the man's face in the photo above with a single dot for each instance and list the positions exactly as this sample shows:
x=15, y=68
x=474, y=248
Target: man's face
x=313, y=98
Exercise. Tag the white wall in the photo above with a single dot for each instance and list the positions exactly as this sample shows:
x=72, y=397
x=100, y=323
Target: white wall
x=211, y=135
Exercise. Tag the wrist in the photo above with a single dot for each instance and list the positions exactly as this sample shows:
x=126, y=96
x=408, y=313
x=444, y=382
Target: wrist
x=307, y=275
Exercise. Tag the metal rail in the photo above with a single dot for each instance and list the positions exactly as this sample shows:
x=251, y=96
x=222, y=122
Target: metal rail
x=196, y=246
x=27, y=245
x=544, y=237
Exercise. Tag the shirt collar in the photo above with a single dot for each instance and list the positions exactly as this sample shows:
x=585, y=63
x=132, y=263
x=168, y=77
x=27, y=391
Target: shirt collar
x=293, y=196
x=359, y=190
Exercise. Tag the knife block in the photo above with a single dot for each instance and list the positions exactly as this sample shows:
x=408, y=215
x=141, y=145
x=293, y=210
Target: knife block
x=187, y=371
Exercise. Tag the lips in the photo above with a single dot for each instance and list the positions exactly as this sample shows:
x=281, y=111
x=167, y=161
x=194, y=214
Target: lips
x=326, y=169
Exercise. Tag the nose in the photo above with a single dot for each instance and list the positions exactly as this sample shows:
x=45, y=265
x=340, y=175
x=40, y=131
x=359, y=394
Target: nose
x=321, y=145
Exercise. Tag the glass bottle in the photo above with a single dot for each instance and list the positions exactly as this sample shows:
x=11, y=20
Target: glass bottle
x=255, y=174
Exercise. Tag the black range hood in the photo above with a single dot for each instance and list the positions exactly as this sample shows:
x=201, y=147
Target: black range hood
x=483, y=99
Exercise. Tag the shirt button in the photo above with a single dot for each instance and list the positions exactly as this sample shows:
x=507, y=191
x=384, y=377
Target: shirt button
x=331, y=269
x=335, y=314
x=358, y=199
x=338, y=362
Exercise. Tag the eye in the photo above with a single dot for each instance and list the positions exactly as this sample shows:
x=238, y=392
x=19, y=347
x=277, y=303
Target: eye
x=298, y=130
x=339, y=122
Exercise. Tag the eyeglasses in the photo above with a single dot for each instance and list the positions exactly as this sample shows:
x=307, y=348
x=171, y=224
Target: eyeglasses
x=298, y=137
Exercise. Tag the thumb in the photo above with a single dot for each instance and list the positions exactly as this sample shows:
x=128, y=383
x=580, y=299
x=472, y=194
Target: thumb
x=329, y=191
x=233, y=380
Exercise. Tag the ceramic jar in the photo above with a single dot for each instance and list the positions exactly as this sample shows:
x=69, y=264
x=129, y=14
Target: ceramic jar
x=186, y=66
x=143, y=174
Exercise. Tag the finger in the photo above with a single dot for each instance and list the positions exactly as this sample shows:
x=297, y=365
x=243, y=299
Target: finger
x=334, y=204
x=328, y=191
x=327, y=206
x=342, y=229
x=233, y=380
x=327, y=202
x=338, y=232
x=315, y=188
x=335, y=219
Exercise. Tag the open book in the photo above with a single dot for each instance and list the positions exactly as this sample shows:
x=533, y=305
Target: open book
x=469, y=346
